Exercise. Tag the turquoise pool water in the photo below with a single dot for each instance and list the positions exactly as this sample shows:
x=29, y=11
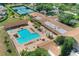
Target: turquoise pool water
x=26, y=36
x=22, y=10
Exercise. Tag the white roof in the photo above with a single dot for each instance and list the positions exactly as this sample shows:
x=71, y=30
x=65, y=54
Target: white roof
x=60, y=30
x=38, y=18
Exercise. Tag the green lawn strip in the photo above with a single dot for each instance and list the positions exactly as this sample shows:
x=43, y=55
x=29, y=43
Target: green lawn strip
x=11, y=11
x=4, y=18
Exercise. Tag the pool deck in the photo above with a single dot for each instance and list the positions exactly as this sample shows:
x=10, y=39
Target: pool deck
x=29, y=46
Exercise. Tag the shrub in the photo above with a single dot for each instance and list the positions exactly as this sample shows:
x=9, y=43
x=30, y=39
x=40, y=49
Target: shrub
x=9, y=51
x=67, y=46
x=60, y=40
x=37, y=52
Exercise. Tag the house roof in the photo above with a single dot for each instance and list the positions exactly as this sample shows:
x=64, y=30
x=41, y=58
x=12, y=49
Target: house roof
x=58, y=26
x=13, y=24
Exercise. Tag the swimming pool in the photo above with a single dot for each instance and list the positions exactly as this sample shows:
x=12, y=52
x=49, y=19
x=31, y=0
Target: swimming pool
x=22, y=10
x=26, y=36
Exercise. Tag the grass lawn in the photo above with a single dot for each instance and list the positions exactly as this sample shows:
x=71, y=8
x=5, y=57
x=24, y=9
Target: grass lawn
x=5, y=46
x=2, y=46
